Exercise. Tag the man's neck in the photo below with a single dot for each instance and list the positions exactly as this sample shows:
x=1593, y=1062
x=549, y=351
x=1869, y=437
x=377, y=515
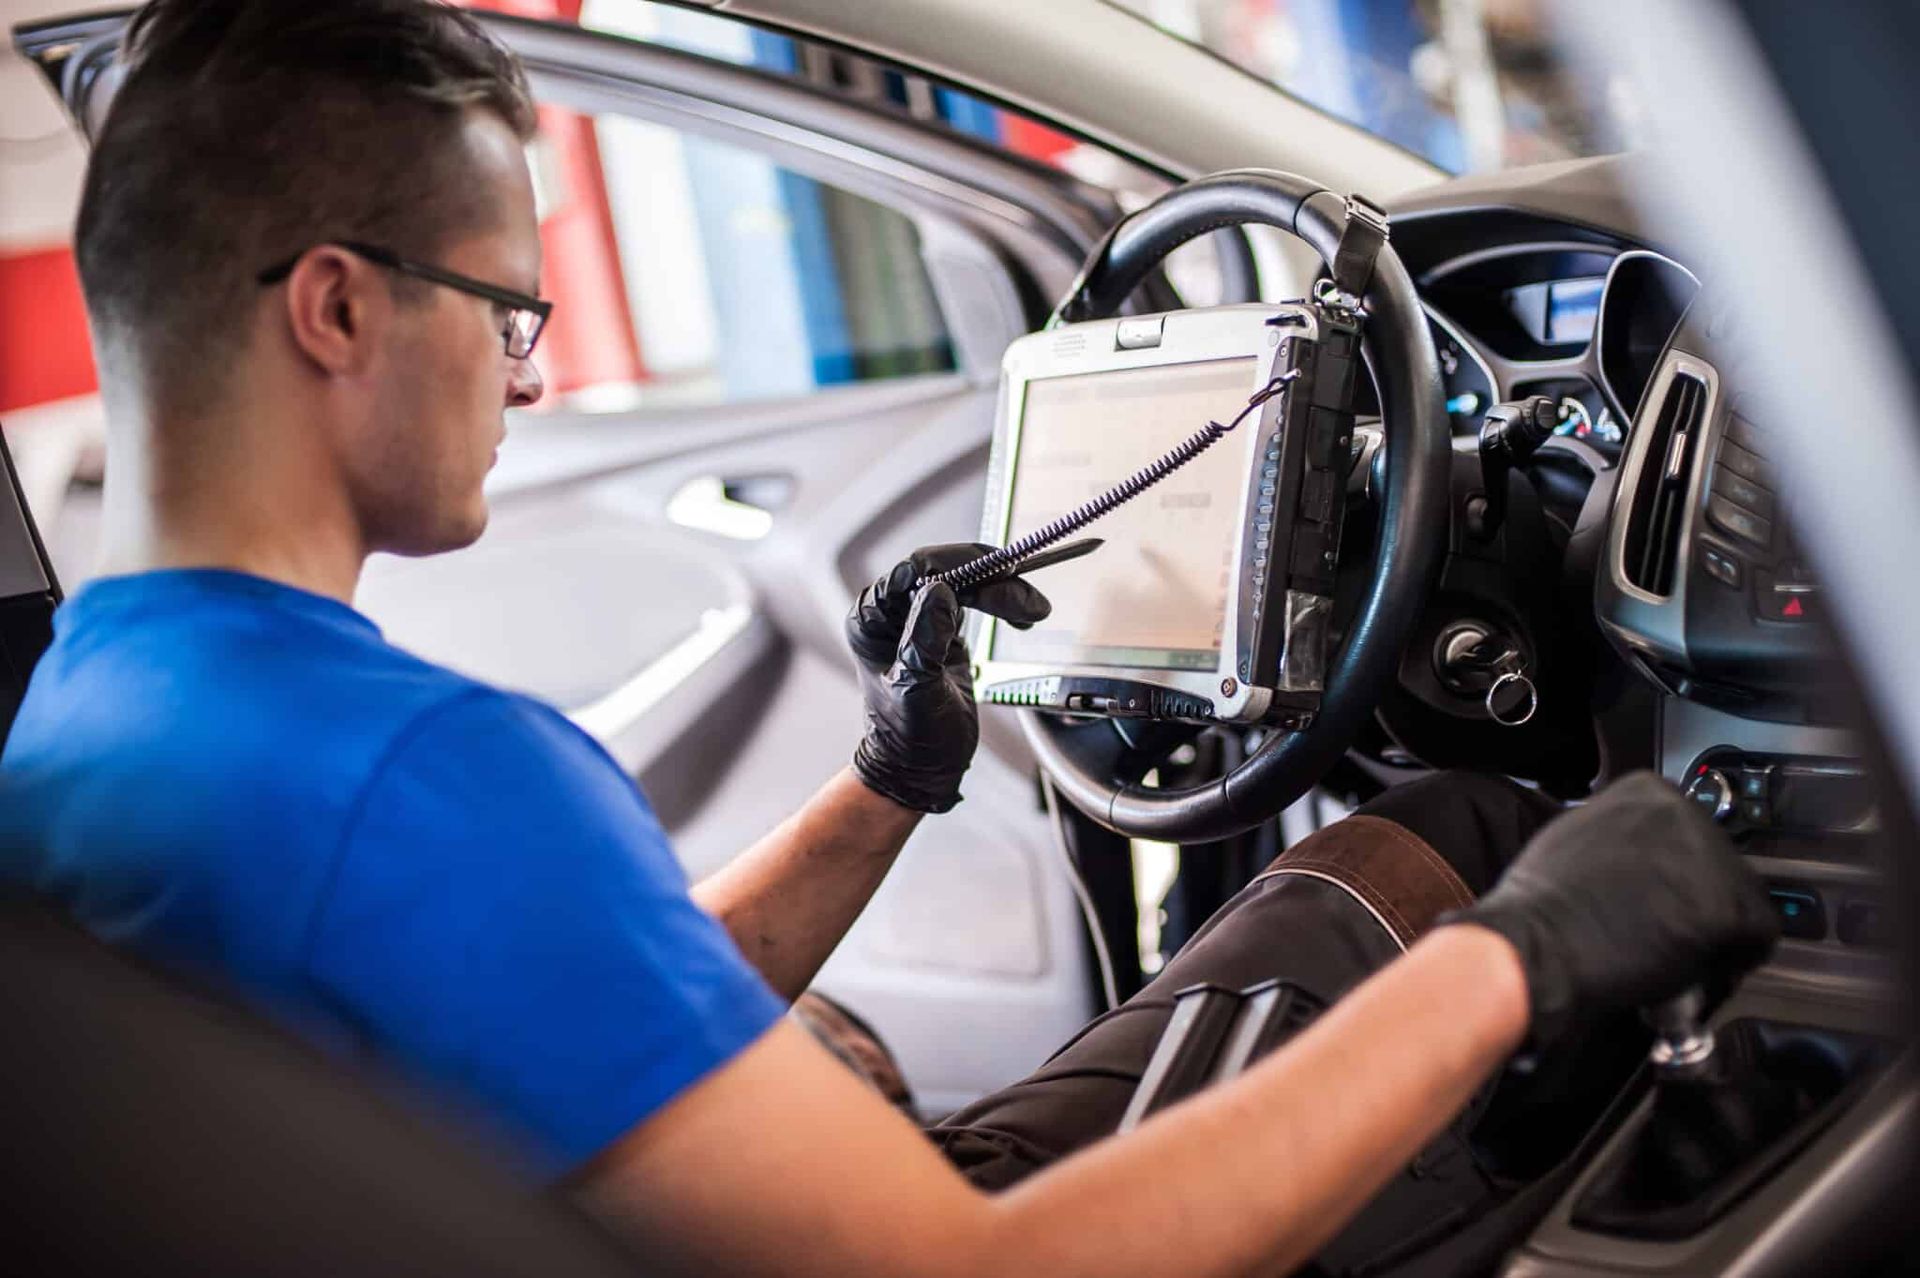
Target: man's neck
x=257, y=511
x=336, y=576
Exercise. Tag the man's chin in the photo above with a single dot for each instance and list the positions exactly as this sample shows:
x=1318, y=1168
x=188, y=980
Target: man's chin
x=453, y=533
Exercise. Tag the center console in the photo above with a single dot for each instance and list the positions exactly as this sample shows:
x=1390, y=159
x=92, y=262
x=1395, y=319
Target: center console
x=1797, y=801
x=1755, y=1145
x=1702, y=591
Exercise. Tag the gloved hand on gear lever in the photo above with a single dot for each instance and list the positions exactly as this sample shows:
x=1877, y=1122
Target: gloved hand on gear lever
x=1625, y=902
x=922, y=725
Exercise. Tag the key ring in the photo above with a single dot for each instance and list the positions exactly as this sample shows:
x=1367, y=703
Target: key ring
x=1532, y=701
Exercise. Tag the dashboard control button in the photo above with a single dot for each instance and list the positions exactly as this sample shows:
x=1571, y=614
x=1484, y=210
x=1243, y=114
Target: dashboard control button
x=1754, y=811
x=1745, y=464
x=1744, y=492
x=1821, y=796
x=1753, y=783
x=1862, y=923
x=1720, y=566
x=1711, y=790
x=1739, y=521
x=1745, y=433
x=1802, y=914
x=1782, y=601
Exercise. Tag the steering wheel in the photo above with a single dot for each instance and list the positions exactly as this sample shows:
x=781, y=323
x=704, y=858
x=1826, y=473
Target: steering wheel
x=1085, y=759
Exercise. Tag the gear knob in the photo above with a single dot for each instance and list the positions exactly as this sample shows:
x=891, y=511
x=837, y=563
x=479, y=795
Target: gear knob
x=1682, y=1046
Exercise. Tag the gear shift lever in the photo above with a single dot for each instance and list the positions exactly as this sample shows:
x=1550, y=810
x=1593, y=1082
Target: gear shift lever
x=1724, y=1115
x=1682, y=1047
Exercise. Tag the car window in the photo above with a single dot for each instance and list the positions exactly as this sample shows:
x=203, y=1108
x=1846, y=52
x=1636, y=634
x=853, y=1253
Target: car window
x=721, y=277
x=689, y=271
x=858, y=293
x=693, y=272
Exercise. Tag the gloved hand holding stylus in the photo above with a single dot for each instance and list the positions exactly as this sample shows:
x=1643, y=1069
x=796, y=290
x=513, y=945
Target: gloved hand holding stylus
x=922, y=725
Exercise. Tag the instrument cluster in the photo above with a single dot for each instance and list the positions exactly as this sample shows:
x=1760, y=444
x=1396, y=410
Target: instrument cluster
x=1571, y=321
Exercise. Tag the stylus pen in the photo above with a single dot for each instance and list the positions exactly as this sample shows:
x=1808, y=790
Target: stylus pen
x=1048, y=558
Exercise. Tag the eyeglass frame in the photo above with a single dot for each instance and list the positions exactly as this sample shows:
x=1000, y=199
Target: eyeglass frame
x=379, y=256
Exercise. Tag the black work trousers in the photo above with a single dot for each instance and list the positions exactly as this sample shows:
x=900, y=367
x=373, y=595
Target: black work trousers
x=1328, y=913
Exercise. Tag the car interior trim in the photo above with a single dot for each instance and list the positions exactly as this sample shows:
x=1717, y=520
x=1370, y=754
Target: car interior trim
x=626, y=705
x=1439, y=273
x=1646, y=621
x=1134, y=93
x=1627, y=259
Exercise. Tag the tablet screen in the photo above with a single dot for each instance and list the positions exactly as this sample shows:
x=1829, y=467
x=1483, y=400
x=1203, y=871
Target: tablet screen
x=1155, y=595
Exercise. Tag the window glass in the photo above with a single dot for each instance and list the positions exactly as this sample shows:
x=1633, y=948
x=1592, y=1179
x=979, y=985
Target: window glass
x=687, y=271
x=715, y=276
x=1193, y=269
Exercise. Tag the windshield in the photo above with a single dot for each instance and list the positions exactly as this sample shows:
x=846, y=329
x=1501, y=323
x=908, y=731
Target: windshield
x=1471, y=85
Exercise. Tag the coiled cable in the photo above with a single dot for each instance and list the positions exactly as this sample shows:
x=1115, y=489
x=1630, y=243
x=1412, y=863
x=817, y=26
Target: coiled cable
x=1005, y=561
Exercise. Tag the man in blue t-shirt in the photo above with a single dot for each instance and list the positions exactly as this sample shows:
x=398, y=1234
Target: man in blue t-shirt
x=311, y=259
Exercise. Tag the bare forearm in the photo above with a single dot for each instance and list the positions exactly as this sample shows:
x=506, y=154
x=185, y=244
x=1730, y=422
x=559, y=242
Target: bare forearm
x=789, y=898
x=1253, y=1176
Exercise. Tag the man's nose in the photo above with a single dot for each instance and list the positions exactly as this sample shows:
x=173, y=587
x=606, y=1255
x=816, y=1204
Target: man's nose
x=524, y=384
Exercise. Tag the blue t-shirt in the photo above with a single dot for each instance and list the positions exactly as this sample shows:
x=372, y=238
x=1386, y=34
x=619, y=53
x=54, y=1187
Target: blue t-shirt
x=237, y=776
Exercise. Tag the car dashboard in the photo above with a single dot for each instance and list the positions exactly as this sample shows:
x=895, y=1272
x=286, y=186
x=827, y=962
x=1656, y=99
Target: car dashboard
x=1582, y=321
x=1673, y=546
x=1692, y=620
x=1578, y=324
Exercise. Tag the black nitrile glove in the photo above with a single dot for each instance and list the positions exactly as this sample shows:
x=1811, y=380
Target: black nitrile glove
x=1625, y=902
x=922, y=726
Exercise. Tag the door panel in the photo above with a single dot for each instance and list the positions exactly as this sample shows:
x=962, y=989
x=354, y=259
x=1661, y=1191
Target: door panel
x=538, y=604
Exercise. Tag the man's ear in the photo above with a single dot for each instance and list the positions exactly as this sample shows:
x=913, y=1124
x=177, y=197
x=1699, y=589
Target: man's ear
x=338, y=308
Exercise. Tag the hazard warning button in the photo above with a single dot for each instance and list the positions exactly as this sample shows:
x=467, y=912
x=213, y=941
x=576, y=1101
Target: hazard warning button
x=1783, y=601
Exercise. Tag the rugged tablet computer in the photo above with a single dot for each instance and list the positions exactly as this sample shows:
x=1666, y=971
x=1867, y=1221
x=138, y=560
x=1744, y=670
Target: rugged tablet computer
x=1211, y=598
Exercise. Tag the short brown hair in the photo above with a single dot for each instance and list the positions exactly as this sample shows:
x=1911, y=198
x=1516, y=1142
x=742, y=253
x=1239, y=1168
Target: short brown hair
x=246, y=131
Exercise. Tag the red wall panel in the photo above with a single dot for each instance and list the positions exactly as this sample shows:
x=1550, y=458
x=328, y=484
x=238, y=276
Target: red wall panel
x=44, y=352
x=591, y=341
x=1031, y=138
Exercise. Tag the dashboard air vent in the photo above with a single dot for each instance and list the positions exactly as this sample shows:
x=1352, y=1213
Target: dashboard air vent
x=1658, y=505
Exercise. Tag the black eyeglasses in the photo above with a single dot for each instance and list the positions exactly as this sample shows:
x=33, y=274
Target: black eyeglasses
x=526, y=315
